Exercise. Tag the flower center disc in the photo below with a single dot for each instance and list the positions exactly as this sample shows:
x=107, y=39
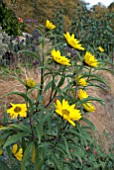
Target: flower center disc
x=65, y=112
x=17, y=109
x=30, y=84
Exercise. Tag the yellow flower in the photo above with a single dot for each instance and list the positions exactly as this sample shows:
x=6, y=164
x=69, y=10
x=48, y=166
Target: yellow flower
x=80, y=81
x=18, y=153
x=90, y=60
x=30, y=83
x=73, y=42
x=1, y=152
x=50, y=25
x=101, y=49
x=82, y=94
x=17, y=110
x=68, y=112
x=88, y=107
x=60, y=59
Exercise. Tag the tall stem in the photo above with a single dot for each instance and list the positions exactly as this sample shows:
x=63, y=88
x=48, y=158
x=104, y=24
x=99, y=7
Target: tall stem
x=42, y=69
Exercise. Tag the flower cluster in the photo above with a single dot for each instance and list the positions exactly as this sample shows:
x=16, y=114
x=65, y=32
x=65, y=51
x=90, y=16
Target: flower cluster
x=89, y=59
x=68, y=112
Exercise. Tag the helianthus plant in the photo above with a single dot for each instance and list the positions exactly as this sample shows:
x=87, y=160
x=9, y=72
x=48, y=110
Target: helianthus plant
x=41, y=132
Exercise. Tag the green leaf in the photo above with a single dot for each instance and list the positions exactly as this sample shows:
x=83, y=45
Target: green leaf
x=20, y=94
x=96, y=85
x=21, y=127
x=79, y=157
x=13, y=139
x=38, y=158
x=61, y=82
x=2, y=141
x=61, y=150
x=56, y=162
x=91, y=125
x=32, y=89
x=5, y=135
x=5, y=119
x=3, y=165
x=106, y=69
x=85, y=100
x=74, y=132
x=101, y=81
x=8, y=149
x=39, y=132
x=17, y=78
x=47, y=116
x=26, y=155
x=67, y=147
x=51, y=84
x=93, y=77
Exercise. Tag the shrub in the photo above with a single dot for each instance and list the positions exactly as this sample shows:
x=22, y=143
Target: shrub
x=9, y=21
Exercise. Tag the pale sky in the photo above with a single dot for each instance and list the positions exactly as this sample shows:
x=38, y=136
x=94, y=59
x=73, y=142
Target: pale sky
x=104, y=2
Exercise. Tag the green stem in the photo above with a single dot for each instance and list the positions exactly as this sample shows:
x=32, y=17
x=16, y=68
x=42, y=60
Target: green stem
x=60, y=134
x=42, y=73
x=42, y=81
x=89, y=73
x=54, y=95
x=30, y=119
x=77, y=73
x=51, y=99
x=51, y=93
x=42, y=69
x=80, y=58
x=79, y=70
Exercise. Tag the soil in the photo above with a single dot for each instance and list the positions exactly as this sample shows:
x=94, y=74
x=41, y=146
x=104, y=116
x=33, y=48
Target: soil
x=103, y=118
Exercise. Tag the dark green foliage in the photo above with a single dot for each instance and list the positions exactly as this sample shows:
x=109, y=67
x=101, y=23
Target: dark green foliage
x=93, y=31
x=83, y=154
x=58, y=20
x=9, y=21
x=3, y=165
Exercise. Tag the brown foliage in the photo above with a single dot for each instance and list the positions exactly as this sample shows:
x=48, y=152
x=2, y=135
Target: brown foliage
x=42, y=9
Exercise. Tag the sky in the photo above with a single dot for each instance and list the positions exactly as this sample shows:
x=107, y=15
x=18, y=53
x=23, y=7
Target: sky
x=104, y=2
